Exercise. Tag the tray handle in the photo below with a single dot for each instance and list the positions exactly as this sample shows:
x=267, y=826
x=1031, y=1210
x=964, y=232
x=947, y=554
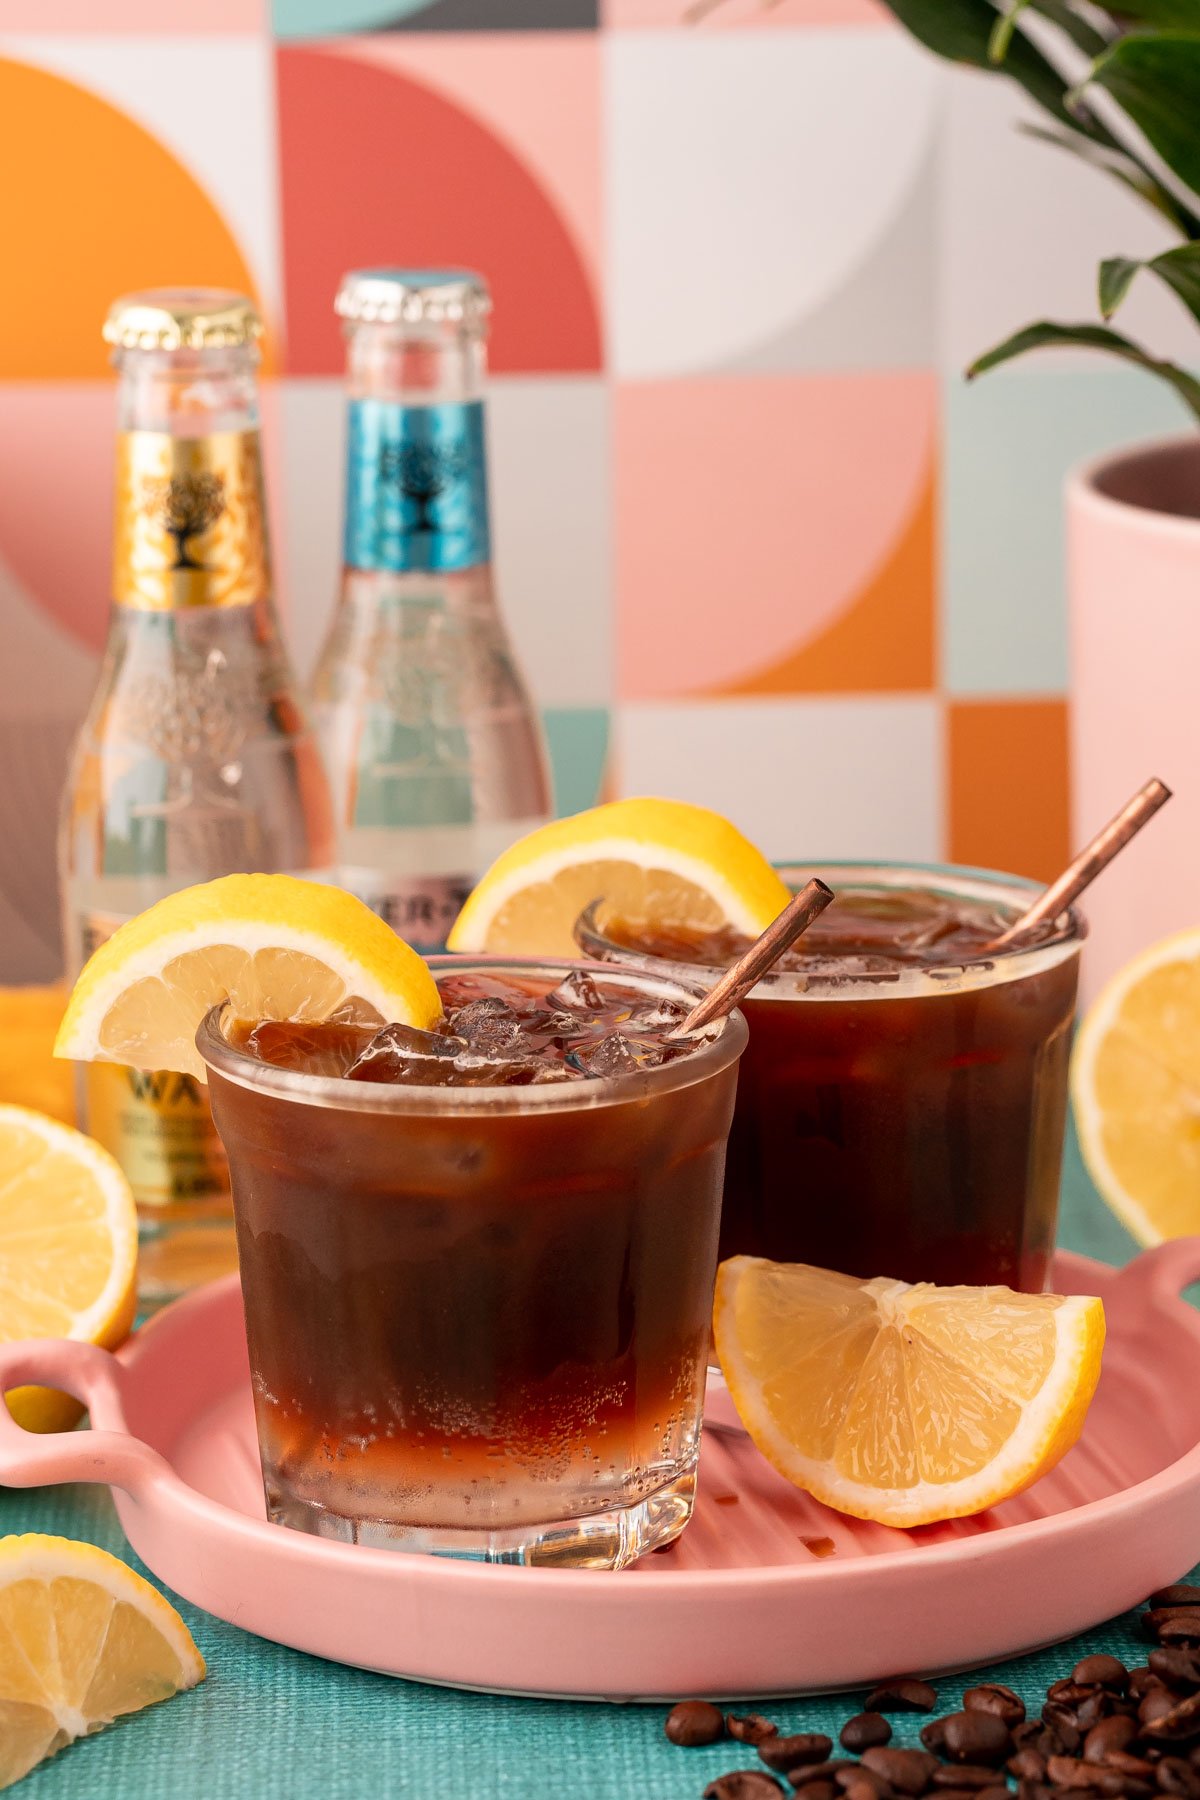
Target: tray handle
x=93, y=1376
x=1160, y=1274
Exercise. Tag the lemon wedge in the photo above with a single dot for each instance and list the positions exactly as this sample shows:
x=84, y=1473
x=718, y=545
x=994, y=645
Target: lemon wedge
x=656, y=861
x=1135, y=1083
x=898, y=1403
x=68, y=1249
x=274, y=946
x=83, y=1640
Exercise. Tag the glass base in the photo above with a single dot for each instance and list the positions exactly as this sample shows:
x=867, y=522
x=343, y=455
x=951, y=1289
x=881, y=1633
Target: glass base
x=604, y=1540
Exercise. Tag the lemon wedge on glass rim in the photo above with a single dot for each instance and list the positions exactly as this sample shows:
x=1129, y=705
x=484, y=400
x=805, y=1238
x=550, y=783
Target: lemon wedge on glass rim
x=83, y=1641
x=664, y=861
x=904, y=1404
x=274, y=946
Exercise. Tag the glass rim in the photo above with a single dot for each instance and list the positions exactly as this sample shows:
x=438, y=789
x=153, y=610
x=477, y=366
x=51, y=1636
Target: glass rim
x=714, y=1055
x=961, y=881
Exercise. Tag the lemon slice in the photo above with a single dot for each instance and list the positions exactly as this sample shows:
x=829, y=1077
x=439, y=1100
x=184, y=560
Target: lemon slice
x=1135, y=1082
x=274, y=946
x=83, y=1640
x=904, y=1404
x=659, y=861
x=68, y=1249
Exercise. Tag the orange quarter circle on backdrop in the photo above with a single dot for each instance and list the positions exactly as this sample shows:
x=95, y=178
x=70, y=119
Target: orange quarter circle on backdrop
x=93, y=206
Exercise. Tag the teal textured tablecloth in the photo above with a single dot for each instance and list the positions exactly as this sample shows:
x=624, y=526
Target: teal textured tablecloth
x=272, y=1724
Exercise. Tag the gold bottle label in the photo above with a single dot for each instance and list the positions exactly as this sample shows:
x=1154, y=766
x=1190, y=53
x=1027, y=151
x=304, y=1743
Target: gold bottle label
x=190, y=525
x=158, y=1126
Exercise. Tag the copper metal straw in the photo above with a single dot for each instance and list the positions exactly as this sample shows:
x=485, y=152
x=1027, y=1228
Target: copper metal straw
x=750, y=967
x=1097, y=855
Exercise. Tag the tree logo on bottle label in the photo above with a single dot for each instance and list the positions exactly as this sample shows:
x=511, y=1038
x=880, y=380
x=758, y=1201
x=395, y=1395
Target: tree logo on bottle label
x=417, y=487
x=183, y=506
x=190, y=529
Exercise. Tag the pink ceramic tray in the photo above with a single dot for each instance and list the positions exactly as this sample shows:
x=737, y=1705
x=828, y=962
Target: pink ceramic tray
x=739, y=1606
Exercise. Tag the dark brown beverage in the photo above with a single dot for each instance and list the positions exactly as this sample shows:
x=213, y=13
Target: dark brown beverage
x=902, y=1101
x=478, y=1262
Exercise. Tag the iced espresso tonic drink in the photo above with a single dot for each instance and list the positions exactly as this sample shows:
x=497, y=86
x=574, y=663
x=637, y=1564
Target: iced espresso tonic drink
x=902, y=1101
x=478, y=1262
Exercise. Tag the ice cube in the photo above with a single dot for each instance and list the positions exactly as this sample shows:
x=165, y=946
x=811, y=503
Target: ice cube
x=658, y=1015
x=329, y=1048
x=611, y=1055
x=489, y=1026
x=508, y=1068
x=401, y=1053
x=578, y=990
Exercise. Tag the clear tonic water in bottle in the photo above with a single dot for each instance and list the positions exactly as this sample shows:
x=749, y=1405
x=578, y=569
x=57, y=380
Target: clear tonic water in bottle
x=196, y=758
x=433, y=747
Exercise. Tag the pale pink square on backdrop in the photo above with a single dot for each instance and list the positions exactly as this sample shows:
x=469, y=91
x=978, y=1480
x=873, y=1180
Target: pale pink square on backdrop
x=751, y=513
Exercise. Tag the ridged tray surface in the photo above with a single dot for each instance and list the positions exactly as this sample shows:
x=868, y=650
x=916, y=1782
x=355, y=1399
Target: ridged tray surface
x=751, y=1600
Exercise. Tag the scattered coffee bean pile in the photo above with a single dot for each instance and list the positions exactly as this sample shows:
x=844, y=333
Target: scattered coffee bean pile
x=1105, y=1733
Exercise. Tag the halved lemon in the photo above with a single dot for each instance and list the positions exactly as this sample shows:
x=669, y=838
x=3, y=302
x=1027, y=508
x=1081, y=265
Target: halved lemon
x=1135, y=1082
x=904, y=1404
x=68, y=1249
x=659, y=861
x=83, y=1640
x=274, y=946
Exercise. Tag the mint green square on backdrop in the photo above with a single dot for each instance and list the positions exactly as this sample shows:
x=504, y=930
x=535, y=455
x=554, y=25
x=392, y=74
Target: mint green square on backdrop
x=1011, y=437
x=577, y=738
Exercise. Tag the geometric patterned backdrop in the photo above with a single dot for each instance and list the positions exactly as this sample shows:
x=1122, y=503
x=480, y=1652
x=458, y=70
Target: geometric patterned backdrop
x=758, y=544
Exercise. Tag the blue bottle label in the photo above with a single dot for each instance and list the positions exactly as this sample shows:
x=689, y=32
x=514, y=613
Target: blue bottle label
x=416, y=487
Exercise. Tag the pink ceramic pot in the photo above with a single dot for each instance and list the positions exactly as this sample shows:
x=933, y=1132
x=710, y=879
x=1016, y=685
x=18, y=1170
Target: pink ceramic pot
x=1133, y=566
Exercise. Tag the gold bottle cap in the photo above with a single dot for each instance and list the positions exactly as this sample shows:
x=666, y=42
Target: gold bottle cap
x=416, y=298
x=182, y=319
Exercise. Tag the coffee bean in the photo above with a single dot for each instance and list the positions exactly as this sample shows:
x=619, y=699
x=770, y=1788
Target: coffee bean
x=994, y=1697
x=1101, y=1671
x=743, y=1784
x=1108, y=1735
x=1034, y=1790
x=993, y=1793
x=863, y=1730
x=977, y=1737
x=1179, y=1668
x=856, y=1776
x=1178, y=1726
x=1125, y=1763
x=904, y=1693
x=862, y=1788
x=1156, y=1703
x=1176, y=1776
x=955, y=1793
x=816, y=1790
x=1142, y=1680
x=968, y=1775
x=1027, y=1765
x=906, y=1771
x=1173, y=1624
x=1063, y=1722
x=749, y=1728
x=694, y=1722
x=784, y=1753
x=1180, y=1593
x=1066, y=1772
x=933, y=1736
x=826, y=1771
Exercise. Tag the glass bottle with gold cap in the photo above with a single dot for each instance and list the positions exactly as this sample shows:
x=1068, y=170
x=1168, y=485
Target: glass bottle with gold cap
x=433, y=747
x=196, y=758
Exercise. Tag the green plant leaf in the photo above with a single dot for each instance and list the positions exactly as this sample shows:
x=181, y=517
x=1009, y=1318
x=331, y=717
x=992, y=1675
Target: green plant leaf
x=1062, y=13
x=1155, y=78
x=1183, y=15
x=1122, y=168
x=1179, y=268
x=961, y=31
x=1093, y=337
